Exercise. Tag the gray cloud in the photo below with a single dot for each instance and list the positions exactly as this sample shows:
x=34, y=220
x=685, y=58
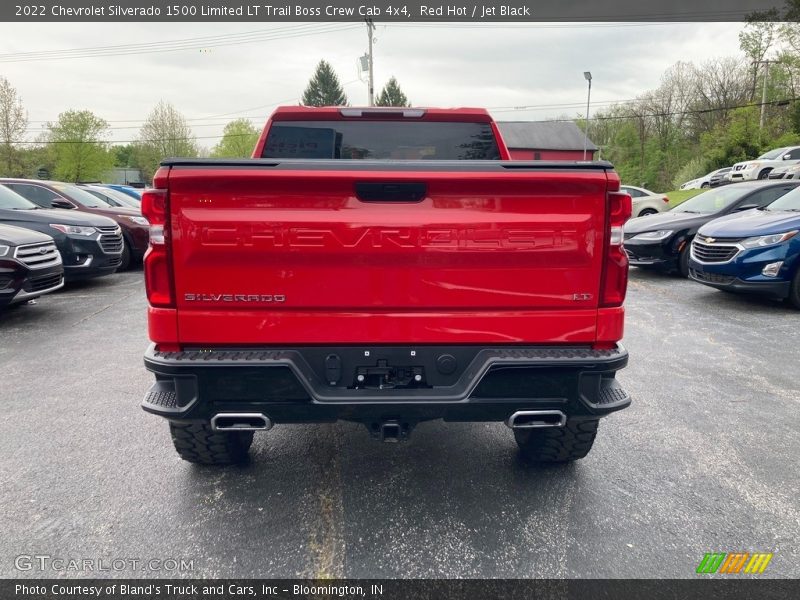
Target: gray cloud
x=447, y=65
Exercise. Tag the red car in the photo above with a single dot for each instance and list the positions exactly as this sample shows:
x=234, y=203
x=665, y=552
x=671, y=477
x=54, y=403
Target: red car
x=55, y=194
x=384, y=266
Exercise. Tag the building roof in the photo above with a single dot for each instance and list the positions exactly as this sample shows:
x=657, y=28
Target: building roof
x=543, y=135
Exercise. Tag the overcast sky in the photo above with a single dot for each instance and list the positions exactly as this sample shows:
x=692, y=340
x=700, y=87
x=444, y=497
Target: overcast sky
x=499, y=67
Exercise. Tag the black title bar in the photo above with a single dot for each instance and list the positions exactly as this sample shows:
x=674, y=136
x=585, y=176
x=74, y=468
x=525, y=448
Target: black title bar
x=416, y=589
x=384, y=10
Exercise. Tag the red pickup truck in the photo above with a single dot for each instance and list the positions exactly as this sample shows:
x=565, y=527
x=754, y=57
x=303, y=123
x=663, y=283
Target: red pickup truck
x=384, y=266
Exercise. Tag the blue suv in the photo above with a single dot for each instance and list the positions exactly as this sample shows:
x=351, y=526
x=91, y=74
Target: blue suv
x=754, y=251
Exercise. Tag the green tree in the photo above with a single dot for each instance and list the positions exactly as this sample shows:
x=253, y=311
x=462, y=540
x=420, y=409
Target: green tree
x=392, y=95
x=77, y=146
x=736, y=139
x=756, y=39
x=13, y=123
x=324, y=88
x=165, y=134
x=124, y=155
x=238, y=140
x=35, y=157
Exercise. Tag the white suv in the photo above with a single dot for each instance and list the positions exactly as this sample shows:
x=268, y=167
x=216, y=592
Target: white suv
x=760, y=167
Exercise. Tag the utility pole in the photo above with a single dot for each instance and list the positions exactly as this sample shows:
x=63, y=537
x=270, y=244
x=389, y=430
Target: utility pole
x=766, y=64
x=588, y=77
x=370, y=29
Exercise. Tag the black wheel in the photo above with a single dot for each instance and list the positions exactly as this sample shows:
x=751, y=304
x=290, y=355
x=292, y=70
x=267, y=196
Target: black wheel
x=198, y=443
x=683, y=261
x=126, y=256
x=764, y=173
x=705, y=185
x=557, y=444
x=648, y=211
x=794, y=290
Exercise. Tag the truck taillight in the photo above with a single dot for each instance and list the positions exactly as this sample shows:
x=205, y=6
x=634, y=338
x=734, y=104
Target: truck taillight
x=614, y=282
x=157, y=264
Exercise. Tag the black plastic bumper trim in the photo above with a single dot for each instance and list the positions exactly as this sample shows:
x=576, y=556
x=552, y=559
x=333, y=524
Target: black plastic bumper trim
x=581, y=358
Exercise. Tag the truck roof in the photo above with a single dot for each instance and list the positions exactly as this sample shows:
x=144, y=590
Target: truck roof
x=336, y=113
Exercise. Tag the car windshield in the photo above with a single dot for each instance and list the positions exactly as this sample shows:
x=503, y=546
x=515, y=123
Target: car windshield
x=14, y=201
x=790, y=201
x=712, y=201
x=772, y=154
x=83, y=197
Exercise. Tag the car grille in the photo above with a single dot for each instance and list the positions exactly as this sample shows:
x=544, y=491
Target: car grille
x=111, y=239
x=711, y=277
x=738, y=168
x=719, y=251
x=37, y=284
x=38, y=256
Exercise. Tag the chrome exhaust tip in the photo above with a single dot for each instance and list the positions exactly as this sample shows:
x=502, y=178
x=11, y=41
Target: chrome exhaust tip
x=240, y=422
x=533, y=419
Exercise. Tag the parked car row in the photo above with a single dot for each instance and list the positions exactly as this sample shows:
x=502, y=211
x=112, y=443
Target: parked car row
x=780, y=163
x=740, y=238
x=709, y=180
x=53, y=232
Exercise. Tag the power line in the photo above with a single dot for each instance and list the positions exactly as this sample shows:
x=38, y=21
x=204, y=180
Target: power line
x=529, y=107
x=607, y=118
x=226, y=116
x=258, y=35
x=144, y=45
x=677, y=113
x=177, y=45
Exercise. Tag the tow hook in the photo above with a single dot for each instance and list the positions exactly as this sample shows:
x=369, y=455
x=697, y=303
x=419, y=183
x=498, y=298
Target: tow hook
x=390, y=431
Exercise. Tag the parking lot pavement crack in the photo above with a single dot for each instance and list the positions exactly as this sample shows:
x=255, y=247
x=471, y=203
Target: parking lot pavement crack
x=105, y=308
x=327, y=540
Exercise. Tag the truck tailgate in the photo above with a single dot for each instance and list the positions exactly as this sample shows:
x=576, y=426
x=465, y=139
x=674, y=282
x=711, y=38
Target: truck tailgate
x=300, y=252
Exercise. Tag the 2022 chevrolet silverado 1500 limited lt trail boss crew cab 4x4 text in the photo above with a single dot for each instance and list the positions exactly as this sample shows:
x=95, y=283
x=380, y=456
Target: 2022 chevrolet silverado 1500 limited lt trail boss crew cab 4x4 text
x=427, y=277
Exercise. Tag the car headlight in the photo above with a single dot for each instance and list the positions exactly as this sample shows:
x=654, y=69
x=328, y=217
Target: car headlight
x=4, y=250
x=768, y=240
x=753, y=165
x=653, y=235
x=74, y=229
x=137, y=220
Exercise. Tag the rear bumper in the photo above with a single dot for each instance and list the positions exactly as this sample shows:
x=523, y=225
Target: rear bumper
x=457, y=383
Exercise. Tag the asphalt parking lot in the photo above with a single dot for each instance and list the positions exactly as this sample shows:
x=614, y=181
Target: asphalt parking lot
x=705, y=460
